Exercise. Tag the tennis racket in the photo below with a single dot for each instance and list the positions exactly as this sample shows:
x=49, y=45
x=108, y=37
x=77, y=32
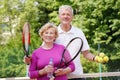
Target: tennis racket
x=26, y=38
x=74, y=48
x=26, y=42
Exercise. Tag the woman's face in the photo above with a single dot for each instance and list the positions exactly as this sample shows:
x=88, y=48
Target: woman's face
x=49, y=35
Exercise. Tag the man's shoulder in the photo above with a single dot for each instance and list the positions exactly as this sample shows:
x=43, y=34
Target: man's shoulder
x=76, y=29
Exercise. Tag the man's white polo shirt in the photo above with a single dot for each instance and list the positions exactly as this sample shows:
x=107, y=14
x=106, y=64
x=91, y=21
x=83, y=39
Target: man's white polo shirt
x=65, y=37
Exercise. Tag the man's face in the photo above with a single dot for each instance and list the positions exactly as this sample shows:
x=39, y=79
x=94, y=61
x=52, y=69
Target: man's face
x=65, y=16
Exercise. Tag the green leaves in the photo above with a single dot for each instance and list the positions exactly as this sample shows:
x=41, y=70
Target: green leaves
x=99, y=20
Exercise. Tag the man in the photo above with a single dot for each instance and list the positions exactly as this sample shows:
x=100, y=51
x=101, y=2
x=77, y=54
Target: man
x=66, y=33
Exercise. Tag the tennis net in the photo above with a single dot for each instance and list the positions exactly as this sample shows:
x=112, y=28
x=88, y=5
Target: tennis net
x=87, y=76
x=98, y=76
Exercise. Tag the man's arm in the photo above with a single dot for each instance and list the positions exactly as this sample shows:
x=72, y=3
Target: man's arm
x=88, y=55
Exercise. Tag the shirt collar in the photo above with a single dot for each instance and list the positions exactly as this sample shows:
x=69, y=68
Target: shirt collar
x=61, y=31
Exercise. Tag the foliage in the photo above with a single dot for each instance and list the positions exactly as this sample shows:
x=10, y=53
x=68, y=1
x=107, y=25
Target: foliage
x=99, y=20
x=11, y=58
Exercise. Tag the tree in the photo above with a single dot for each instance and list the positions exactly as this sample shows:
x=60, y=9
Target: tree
x=99, y=20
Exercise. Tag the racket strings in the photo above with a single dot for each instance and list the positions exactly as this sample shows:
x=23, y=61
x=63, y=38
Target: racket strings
x=71, y=47
x=75, y=47
x=26, y=38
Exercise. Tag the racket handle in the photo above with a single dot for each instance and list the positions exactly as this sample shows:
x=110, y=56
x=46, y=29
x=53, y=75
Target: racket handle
x=26, y=53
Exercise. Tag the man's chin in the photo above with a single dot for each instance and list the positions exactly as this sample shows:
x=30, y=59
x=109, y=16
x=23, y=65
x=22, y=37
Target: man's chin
x=65, y=23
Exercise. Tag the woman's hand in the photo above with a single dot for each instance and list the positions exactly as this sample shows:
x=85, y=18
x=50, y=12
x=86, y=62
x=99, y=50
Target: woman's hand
x=49, y=68
x=27, y=60
x=59, y=72
x=62, y=71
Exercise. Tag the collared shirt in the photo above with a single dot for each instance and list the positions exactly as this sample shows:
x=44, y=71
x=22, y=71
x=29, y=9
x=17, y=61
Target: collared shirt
x=65, y=37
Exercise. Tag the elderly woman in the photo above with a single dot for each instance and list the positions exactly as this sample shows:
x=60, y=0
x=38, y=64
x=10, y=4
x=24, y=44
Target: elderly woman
x=39, y=67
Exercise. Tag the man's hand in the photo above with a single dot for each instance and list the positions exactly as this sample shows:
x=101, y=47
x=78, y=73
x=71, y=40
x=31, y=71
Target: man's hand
x=27, y=60
x=101, y=58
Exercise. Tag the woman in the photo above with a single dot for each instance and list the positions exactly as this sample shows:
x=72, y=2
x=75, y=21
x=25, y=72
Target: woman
x=39, y=67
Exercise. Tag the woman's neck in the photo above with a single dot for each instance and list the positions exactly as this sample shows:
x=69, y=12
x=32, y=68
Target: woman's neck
x=47, y=45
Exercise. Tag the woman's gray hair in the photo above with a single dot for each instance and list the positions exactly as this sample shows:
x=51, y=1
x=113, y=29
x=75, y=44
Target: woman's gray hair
x=66, y=7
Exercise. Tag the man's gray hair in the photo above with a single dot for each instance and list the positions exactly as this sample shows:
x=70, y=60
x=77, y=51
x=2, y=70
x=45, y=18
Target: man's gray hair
x=66, y=7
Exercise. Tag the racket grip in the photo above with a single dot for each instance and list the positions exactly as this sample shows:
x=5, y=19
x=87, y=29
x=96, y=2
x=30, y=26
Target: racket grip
x=26, y=55
x=54, y=74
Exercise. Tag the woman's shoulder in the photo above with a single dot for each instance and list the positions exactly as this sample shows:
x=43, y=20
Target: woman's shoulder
x=37, y=50
x=59, y=45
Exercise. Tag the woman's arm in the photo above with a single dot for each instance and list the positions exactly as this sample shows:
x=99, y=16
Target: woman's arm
x=33, y=72
x=70, y=68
